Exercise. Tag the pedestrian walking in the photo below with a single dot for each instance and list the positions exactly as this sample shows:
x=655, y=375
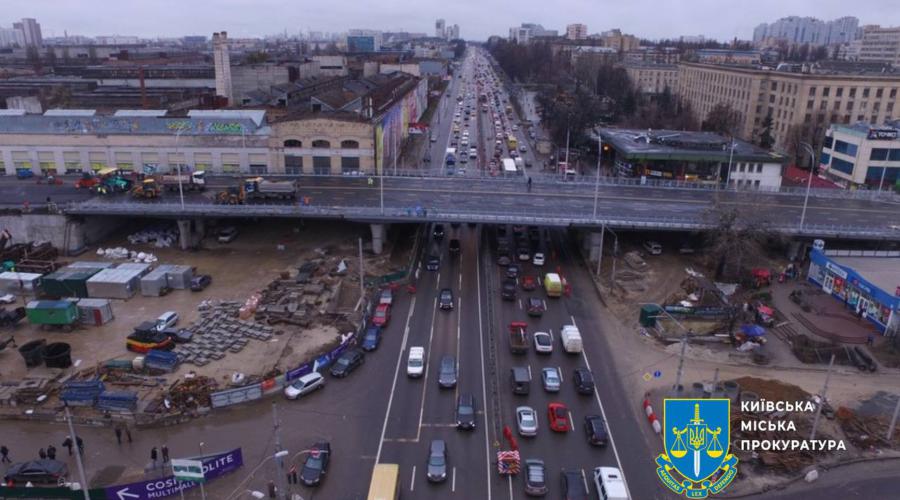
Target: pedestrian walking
x=4, y=454
x=165, y=454
x=118, y=430
x=51, y=452
x=42, y=454
x=871, y=340
x=80, y=444
x=67, y=444
x=154, y=455
x=127, y=432
x=529, y=184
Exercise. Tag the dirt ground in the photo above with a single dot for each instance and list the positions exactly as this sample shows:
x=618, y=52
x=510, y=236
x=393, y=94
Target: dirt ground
x=258, y=255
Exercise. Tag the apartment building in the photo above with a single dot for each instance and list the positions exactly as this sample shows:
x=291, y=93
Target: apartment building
x=652, y=78
x=814, y=99
x=576, y=31
x=880, y=45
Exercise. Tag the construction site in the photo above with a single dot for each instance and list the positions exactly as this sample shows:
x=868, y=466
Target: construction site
x=276, y=296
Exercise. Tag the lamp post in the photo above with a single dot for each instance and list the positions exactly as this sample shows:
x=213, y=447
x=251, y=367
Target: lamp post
x=74, y=437
x=812, y=155
x=202, y=489
x=178, y=166
x=684, y=340
x=727, y=171
x=237, y=491
x=597, y=183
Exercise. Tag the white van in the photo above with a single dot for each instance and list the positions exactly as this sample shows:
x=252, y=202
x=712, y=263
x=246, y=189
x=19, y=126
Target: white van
x=415, y=364
x=166, y=320
x=571, y=339
x=609, y=484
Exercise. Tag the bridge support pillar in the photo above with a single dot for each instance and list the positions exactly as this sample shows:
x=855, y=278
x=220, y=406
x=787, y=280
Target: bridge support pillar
x=184, y=234
x=595, y=245
x=377, y=238
x=200, y=228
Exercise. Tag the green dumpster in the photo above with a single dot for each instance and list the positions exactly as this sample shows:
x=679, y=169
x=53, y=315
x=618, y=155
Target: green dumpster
x=51, y=312
x=649, y=313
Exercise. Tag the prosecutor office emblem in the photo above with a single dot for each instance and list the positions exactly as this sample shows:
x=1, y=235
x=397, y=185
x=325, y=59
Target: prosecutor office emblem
x=697, y=435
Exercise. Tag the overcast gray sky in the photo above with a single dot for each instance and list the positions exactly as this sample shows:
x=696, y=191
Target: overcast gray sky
x=478, y=19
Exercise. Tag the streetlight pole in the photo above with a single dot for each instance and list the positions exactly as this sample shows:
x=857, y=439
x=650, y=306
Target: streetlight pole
x=684, y=341
x=600, y=255
x=728, y=171
x=74, y=437
x=279, y=458
x=812, y=156
x=178, y=166
x=597, y=184
x=815, y=426
x=202, y=489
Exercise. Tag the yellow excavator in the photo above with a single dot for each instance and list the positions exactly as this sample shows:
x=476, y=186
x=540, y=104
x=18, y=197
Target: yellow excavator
x=147, y=189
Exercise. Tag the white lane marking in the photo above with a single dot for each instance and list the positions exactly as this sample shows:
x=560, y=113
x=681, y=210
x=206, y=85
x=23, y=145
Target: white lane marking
x=509, y=482
x=412, y=479
x=487, y=446
x=387, y=412
x=425, y=382
x=559, y=372
x=603, y=413
x=529, y=372
x=571, y=422
x=584, y=480
x=437, y=283
x=453, y=481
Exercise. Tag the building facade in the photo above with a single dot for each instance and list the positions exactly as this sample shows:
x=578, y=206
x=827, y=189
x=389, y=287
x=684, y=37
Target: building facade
x=222, y=63
x=862, y=155
x=800, y=30
x=31, y=32
x=439, y=27
x=869, y=286
x=653, y=78
x=880, y=45
x=791, y=98
x=701, y=157
x=576, y=31
x=239, y=142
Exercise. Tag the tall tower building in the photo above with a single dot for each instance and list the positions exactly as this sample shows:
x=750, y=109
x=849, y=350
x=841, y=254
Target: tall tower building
x=439, y=28
x=31, y=29
x=222, y=61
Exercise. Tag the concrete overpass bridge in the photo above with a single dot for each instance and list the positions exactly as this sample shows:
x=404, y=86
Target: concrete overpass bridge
x=584, y=203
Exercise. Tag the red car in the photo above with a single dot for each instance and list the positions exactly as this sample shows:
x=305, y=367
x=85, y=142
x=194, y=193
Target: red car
x=558, y=416
x=528, y=283
x=382, y=315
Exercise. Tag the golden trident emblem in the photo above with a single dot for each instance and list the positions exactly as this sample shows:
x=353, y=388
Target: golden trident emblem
x=697, y=432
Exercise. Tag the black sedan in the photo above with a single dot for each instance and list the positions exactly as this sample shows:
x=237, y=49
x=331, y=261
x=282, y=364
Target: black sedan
x=445, y=301
x=316, y=465
x=347, y=362
x=43, y=471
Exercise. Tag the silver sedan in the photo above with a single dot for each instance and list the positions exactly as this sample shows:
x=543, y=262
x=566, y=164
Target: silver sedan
x=526, y=418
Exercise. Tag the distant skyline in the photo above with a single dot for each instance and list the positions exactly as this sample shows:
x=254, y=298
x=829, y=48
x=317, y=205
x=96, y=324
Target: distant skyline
x=478, y=19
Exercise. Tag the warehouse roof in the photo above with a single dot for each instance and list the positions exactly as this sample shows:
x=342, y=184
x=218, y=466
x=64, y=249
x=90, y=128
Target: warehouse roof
x=683, y=145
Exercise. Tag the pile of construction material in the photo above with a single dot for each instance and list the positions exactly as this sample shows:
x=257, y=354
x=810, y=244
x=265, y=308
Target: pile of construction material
x=867, y=425
x=219, y=331
x=790, y=461
x=163, y=237
x=297, y=301
x=188, y=393
x=121, y=253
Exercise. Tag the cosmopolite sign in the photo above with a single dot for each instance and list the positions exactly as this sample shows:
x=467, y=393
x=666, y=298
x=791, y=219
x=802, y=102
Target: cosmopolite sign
x=213, y=467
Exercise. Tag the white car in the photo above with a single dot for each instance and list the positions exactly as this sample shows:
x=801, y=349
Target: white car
x=653, y=247
x=165, y=320
x=551, y=379
x=526, y=420
x=543, y=342
x=538, y=259
x=304, y=385
x=415, y=363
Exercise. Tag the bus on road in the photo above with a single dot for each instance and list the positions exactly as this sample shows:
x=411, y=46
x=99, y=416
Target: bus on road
x=385, y=483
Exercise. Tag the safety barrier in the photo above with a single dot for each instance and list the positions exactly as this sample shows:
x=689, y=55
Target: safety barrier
x=651, y=416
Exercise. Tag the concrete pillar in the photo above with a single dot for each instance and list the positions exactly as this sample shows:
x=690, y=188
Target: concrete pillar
x=595, y=240
x=200, y=228
x=377, y=238
x=184, y=234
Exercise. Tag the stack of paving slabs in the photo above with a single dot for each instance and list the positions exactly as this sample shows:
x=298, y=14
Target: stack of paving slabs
x=295, y=301
x=219, y=331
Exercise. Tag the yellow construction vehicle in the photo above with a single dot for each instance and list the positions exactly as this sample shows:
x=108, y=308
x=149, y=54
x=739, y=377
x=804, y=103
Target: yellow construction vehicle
x=148, y=189
x=233, y=195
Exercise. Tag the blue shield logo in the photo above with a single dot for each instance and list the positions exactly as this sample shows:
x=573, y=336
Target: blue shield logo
x=697, y=438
